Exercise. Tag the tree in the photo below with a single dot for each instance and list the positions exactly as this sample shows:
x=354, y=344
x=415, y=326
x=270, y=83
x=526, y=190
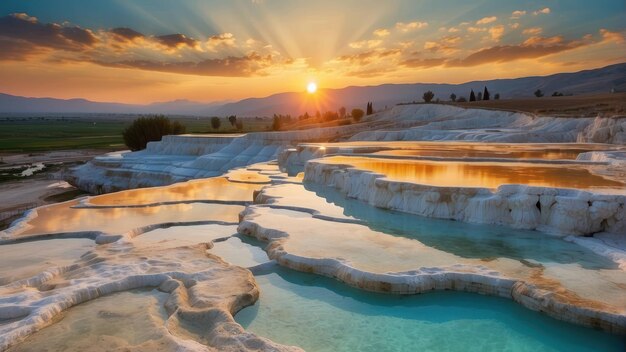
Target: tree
x=216, y=122
x=276, y=123
x=428, y=96
x=453, y=97
x=496, y=96
x=479, y=96
x=357, y=114
x=486, y=94
x=149, y=129
x=342, y=112
x=232, y=119
x=330, y=116
x=369, y=109
x=472, y=96
x=461, y=100
x=557, y=94
x=538, y=93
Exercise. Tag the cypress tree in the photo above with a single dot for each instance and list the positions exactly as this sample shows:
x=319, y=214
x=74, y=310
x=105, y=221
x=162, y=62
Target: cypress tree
x=485, y=94
x=472, y=96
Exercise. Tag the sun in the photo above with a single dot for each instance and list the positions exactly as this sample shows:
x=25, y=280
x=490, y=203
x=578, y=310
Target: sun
x=311, y=87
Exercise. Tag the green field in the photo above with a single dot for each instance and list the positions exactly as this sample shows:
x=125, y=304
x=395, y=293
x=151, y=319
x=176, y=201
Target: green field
x=30, y=134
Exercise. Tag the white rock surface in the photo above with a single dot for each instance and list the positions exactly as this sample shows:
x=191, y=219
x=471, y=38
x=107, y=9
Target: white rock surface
x=374, y=261
x=554, y=210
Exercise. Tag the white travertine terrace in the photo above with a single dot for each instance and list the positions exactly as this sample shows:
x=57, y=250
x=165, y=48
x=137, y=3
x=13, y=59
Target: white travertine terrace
x=180, y=158
x=147, y=247
x=192, y=225
x=310, y=235
x=549, y=209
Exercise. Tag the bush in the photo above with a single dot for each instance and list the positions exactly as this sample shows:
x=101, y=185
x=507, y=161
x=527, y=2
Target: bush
x=216, y=122
x=453, y=97
x=538, y=93
x=428, y=96
x=149, y=129
x=357, y=114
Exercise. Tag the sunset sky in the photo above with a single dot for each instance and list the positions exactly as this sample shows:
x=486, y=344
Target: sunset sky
x=142, y=51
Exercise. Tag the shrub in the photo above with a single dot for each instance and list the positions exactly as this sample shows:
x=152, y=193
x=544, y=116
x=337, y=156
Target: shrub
x=357, y=114
x=149, y=129
x=496, y=96
x=428, y=96
x=216, y=122
x=538, y=93
x=232, y=119
x=453, y=97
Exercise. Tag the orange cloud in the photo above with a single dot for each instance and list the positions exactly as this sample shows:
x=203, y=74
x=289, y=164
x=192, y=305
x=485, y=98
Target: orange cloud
x=407, y=27
x=486, y=20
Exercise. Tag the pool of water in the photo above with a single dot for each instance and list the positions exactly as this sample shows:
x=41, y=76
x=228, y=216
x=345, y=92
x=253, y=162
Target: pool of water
x=465, y=239
x=131, y=320
x=217, y=188
x=22, y=260
x=320, y=314
x=63, y=218
x=479, y=174
x=467, y=149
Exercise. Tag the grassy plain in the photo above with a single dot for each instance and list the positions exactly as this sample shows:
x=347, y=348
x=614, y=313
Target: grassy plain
x=45, y=133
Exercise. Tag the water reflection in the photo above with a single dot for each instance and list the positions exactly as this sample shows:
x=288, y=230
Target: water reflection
x=479, y=174
x=218, y=188
x=63, y=218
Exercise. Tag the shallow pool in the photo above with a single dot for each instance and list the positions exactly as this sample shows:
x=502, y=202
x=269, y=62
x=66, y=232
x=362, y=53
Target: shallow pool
x=320, y=314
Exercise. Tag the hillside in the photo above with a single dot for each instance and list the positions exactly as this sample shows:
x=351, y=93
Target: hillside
x=595, y=81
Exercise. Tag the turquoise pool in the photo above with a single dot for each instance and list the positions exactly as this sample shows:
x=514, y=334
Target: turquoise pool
x=320, y=314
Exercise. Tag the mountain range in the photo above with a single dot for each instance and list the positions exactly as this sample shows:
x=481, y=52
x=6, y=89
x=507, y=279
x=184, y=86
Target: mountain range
x=601, y=80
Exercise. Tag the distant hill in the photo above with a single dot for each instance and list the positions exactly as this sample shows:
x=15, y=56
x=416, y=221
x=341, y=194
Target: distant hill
x=600, y=80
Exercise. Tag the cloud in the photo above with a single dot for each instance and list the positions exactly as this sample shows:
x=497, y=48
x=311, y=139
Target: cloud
x=514, y=25
x=381, y=33
x=486, y=20
x=616, y=37
x=446, y=45
x=177, y=41
x=476, y=29
x=517, y=14
x=544, y=11
x=125, y=34
x=220, y=41
x=532, y=48
x=496, y=32
x=533, y=31
x=232, y=66
x=365, y=44
x=368, y=57
x=423, y=63
x=407, y=27
x=23, y=37
x=21, y=27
